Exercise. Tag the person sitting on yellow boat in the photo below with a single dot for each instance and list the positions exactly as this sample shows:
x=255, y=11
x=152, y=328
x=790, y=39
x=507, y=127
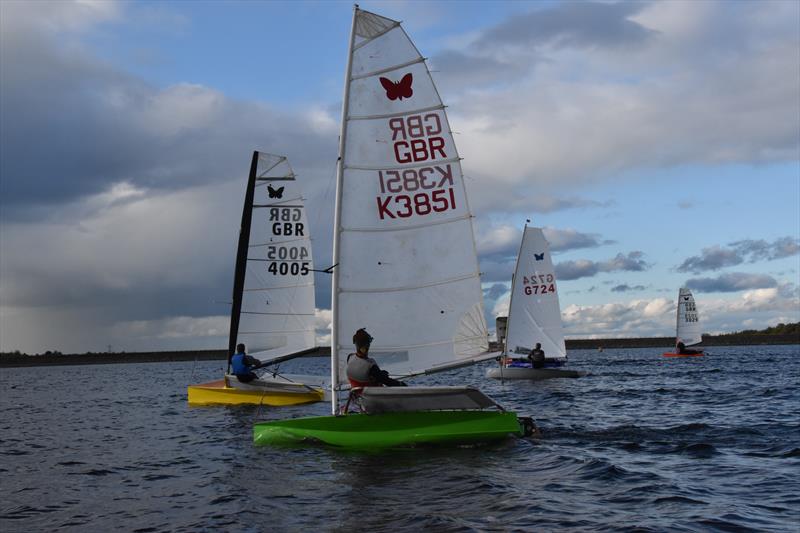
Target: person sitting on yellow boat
x=537, y=356
x=243, y=365
x=362, y=370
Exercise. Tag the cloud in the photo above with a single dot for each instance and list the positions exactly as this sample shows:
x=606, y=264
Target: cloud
x=168, y=138
x=748, y=250
x=687, y=85
x=639, y=318
x=627, y=288
x=732, y=282
x=571, y=25
x=584, y=268
x=495, y=291
x=656, y=317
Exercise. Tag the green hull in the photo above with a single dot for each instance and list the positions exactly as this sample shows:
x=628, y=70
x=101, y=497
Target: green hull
x=390, y=430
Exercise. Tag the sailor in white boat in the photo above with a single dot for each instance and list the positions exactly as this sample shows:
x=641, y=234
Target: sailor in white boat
x=362, y=370
x=243, y=364
x=683, y=350
x=537, y=356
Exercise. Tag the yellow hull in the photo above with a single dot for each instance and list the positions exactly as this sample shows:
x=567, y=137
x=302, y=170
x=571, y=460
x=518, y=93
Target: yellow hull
x=217, y=393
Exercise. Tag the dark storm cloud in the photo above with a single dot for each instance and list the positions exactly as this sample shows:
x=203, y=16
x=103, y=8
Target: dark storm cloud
x=582, y=25
x=732, y=282
x=495, y=291
x=71, y=126
x=736, y=253
x=572, y=24
x=627, y=288
x=584, y=268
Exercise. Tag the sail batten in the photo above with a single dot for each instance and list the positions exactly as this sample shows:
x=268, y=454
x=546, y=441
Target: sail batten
x=388, y=69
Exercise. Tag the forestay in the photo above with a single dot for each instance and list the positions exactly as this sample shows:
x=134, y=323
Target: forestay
x=534, y=312
x=407, y=266
x=689, y=331
x=277, y=300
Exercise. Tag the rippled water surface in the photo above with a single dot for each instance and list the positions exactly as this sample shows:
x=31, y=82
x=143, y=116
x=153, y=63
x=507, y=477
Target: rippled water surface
x=642, y=443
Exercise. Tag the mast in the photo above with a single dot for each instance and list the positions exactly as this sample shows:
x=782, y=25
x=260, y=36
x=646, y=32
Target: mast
x=513, y=282
x=677, y=319
x=241, y=257
x=337, y=222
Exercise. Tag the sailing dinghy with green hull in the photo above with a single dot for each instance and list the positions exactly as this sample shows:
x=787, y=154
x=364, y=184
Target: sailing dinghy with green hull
x=406, y=265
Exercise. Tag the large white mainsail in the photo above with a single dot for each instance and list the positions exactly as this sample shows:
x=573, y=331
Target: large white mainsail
x=407, y=267
x=534, y=312
x=688, y=330
x=274, y=280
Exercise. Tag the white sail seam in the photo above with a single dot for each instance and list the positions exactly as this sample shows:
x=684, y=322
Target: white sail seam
x=397, y=113
x=388, y=69
x=411, y=287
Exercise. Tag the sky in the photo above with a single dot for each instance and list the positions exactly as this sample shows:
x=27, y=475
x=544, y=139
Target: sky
x=658, y=144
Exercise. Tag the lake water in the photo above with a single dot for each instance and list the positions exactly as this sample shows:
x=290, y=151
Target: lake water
x=643, y=443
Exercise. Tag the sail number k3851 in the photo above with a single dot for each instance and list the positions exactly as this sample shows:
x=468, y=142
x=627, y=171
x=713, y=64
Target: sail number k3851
x=415, y=191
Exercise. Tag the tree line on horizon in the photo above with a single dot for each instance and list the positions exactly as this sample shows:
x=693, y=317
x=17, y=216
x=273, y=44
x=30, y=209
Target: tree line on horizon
x=780, y=329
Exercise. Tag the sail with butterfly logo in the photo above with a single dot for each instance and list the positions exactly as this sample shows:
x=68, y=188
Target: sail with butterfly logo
x=406, y=266
x=688, y=329
x=534, y=315
x=273, y=306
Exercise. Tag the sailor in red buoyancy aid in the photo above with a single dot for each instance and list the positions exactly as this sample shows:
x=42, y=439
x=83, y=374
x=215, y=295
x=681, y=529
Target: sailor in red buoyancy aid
x=363, y=371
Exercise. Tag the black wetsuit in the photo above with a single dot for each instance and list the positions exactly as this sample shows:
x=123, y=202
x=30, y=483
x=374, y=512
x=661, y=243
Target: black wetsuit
x=537, y=358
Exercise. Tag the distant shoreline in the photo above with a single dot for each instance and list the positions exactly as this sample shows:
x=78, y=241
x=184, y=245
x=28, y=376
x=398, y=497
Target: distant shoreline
x=23, y=360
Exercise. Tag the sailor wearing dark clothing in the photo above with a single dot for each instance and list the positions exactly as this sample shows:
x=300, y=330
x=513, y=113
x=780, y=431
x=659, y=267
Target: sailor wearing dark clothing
x=363, y=371
x=537, y=356
x=683, y=350
x=243, y=365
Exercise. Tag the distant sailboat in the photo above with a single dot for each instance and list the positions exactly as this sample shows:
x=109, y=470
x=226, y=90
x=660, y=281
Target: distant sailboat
x=273, y=292
x=688, y=330
x=534, y=315
x=407, y=268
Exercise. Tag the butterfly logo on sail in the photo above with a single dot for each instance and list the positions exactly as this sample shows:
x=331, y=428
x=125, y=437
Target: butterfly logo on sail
x=398, y=89
x=685, y=298
x=275, y=193
x=538, y=257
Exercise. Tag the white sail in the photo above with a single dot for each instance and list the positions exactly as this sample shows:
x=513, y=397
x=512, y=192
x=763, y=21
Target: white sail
x=277, y=309
x=689, y=331
x=534, y=312
x=407, y=266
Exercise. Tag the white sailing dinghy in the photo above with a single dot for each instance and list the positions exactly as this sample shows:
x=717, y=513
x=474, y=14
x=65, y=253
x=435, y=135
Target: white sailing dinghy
x=688, y=331
x=534, y=315
x=273, y=291
x=406, y=266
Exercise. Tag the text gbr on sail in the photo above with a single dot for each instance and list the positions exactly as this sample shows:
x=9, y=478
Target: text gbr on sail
x=416, y=191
